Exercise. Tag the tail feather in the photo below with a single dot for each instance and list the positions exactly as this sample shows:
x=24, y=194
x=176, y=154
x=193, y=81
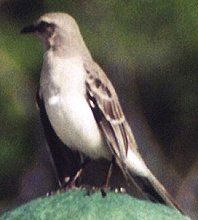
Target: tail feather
x=153, y=190
x=135, y=170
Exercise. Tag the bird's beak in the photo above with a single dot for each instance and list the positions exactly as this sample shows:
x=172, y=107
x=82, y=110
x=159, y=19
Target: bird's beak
x=29, y=29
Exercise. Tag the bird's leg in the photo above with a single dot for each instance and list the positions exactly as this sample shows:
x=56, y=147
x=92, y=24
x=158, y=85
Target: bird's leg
x=109, y=174
x=71, y=183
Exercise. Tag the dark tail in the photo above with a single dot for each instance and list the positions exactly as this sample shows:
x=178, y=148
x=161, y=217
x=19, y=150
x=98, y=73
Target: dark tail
x=153, y=190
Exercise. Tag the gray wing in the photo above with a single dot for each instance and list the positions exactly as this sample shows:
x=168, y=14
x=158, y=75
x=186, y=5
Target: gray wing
x=106, y=108
x=104, y=102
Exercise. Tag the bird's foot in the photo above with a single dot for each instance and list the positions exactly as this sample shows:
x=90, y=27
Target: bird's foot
x=103, y=190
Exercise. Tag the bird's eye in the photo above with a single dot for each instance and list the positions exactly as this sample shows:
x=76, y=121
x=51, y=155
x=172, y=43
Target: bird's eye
x=45, y=27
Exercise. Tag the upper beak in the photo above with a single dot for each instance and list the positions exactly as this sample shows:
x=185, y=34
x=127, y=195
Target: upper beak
x=29, y=29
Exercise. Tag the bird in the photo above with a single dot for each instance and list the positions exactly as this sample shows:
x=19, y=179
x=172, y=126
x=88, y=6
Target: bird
x=82, y=106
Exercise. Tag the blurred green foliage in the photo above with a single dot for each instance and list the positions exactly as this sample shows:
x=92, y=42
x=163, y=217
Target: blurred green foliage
x=154, y=40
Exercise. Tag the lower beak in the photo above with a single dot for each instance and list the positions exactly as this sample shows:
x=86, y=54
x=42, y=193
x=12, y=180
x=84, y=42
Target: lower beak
x=29, y=29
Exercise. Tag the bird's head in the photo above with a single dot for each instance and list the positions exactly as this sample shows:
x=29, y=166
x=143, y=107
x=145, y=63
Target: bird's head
x=58, y=31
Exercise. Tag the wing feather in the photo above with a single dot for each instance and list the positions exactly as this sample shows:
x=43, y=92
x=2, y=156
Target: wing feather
x=112, y=121
x=119, y=137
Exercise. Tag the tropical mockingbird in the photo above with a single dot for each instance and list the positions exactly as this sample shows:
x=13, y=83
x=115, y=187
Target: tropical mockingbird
x=82, y=105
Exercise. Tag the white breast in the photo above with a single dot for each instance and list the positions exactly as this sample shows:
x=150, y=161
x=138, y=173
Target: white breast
x=67, y=107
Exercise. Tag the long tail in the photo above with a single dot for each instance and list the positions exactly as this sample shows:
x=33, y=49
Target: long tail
x=154, y=190
x=137, y=172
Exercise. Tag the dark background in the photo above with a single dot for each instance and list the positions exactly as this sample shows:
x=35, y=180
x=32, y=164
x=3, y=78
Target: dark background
x=149, y=49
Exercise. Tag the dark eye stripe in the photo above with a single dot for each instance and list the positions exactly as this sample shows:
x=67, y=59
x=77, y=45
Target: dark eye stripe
x=43, y=26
